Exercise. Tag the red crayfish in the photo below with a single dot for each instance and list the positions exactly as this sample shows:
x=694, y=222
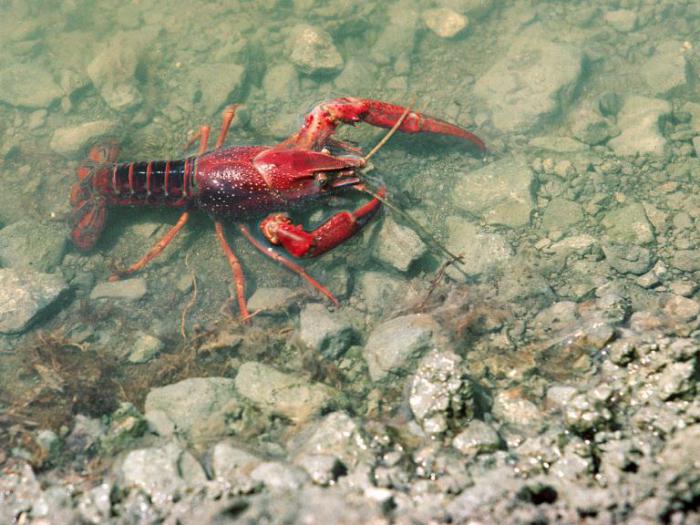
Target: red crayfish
x=243, y=182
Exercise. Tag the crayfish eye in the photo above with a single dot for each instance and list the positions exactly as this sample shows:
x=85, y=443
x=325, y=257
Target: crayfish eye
x=321, y=179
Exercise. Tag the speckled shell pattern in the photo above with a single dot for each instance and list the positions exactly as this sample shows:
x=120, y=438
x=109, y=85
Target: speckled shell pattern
x=226, y=183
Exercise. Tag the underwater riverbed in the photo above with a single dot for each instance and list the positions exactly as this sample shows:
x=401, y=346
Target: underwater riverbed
x=549, y=376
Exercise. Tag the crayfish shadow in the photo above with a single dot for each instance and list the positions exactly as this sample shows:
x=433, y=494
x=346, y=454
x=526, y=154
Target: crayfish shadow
x=124, y=223
x=422, y=144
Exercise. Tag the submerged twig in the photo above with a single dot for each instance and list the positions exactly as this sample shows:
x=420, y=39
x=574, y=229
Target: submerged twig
x=434, y=283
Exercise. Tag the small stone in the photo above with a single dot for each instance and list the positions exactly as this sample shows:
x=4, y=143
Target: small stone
x=54, y=501
x=439, y=389
x=478, y=438
x=128, y=289
x=623, y=20
x=354, y=74
x=682, y=308
x=629, y=225
x=113, y=69
x=445, y=22
x=380, y=291
x=500, y=193
x=270, y=300
x=37, y=119
x=126, y=425
x=509, y=406
x=680, y=459
x=665, y=71
x=639, y=121
x=561, y=214
x=24, y=295
x=392, y=344
x=218, y=84
x=564, y=169
x=482, y=252
x=276, y=475
x=398, y=246
x=231, y=463
x=336, y=434
x=628, y=259
x=162, y=473
x=313, y=51
x=676, y=379
x=573, y=244
x=75, y=140
x=33, y=246
x=28, y=85
x=683, y=349
x=323, y=469
x=591, y=128
x=648, y=280
x=644, y=321
x=146, y=347
x=289, y=395
x=281, y=83
x=557, y=318
x=329, y=334
x=683, y=288
x=581, y=415
x=86, y=433
x=621, y=352
x=686, y=260
x=531, y=81
x=200, y=408
x=95, y=505
x=558, y=396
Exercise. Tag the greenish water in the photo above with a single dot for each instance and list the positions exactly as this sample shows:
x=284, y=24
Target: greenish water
x=579, y=226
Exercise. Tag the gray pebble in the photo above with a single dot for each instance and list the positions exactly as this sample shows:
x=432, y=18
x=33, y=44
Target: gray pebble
x=128, y=289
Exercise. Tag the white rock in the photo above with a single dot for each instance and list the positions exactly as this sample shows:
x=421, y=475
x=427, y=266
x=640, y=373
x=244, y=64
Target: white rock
x=24, y=295
x=666, y=69
x=445, y=22
x=398, y=245
x=113, y=69
x=313, y=51
x=530, y=82
x=28, y=85
x=639, y=121
x=289, y=395
x=129, y=289
x=499, y=193
x=73, y=140
x=481, y=252
x=393, y=343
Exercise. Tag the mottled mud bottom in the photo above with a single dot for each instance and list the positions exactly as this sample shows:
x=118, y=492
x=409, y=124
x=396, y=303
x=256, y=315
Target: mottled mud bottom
x=551, y=377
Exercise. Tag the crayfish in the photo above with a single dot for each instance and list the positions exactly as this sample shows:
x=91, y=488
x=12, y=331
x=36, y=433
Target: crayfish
x=244, y=182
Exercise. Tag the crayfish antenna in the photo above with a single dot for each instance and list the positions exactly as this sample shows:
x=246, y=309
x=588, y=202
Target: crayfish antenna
x=420, y=230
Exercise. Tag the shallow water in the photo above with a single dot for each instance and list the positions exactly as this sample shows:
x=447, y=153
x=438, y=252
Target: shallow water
x=578, y=229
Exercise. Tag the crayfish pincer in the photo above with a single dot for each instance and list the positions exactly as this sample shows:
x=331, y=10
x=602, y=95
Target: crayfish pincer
x=249, y=182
